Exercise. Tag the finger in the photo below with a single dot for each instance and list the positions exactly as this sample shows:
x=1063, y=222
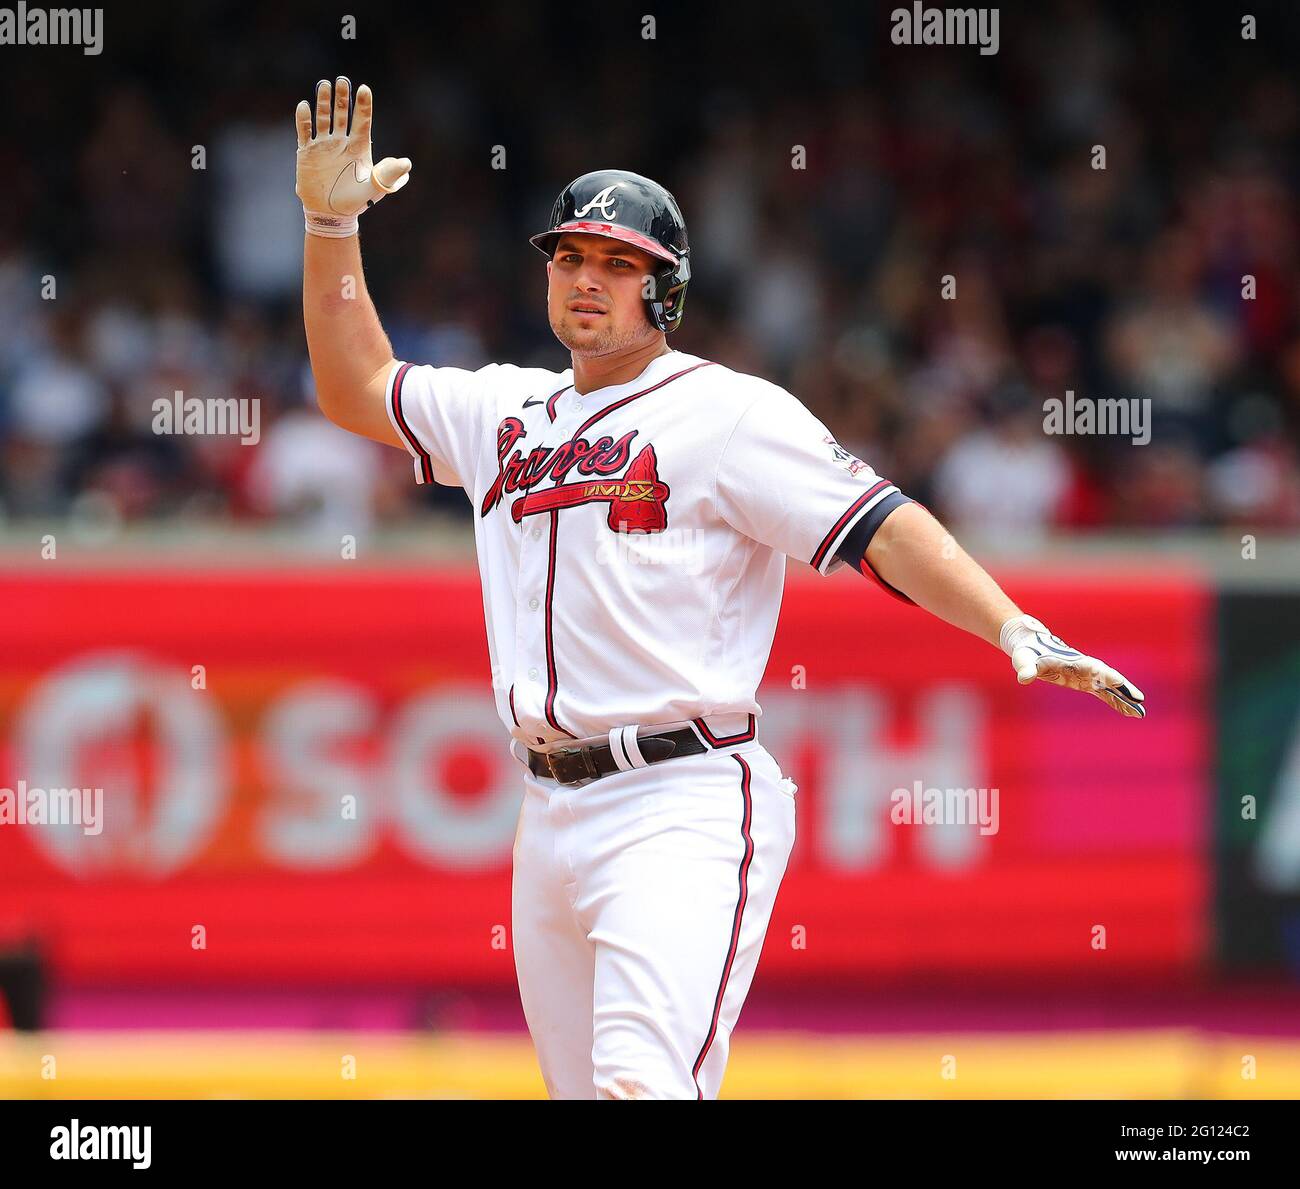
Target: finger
x=342, y=97
x=392, y=173
x=1132, y=691
x=1133, y=706
x=1099, y=673
x=1117, y=680
x=361, y=114
x=323, y=107
x=1025, y=662
x=1113, y=679
x=1116, y=701
x=302, y=118
x=1128, y=693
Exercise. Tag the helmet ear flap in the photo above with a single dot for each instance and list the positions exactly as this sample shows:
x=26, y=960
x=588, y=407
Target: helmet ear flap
x=668, y=304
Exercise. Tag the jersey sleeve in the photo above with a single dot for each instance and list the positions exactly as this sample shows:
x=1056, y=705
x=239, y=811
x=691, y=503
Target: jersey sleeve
x=438, y=413
x=784, y=481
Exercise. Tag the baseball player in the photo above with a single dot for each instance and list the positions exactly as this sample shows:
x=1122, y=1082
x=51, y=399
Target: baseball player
x=632, y=516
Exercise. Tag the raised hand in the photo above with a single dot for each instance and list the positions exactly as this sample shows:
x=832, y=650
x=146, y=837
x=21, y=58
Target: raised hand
x=336, y=179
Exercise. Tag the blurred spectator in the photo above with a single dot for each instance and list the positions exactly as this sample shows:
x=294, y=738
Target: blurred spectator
x=825, y=214
x=56, y=401
x=309, y=472
x=1169, y=346
x=1257, y=484
x=1006, y=475
x=257, y=218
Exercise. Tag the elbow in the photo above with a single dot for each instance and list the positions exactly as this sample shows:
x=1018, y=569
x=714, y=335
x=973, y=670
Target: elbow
x=333, y=400
x=327, y=402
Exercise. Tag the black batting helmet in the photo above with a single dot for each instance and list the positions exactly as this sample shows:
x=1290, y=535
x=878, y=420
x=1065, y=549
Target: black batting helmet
x=628, y=207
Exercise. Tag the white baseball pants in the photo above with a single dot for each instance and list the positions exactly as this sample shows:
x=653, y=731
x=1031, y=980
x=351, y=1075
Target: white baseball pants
x=640, y=904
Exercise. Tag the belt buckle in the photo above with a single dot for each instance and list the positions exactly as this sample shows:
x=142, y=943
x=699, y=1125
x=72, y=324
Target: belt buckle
x=564, y=753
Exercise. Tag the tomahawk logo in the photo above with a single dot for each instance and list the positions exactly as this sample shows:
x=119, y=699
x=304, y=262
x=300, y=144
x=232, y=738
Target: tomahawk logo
x=602, y=200
x=89, y=1141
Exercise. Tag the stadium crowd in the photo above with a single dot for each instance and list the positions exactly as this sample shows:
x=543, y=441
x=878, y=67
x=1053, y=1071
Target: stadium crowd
x=153, y=245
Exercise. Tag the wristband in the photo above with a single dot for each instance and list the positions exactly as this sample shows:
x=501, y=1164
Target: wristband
x=330, y=226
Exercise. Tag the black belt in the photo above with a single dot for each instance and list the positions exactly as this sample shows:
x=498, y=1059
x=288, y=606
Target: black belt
x=572, y=765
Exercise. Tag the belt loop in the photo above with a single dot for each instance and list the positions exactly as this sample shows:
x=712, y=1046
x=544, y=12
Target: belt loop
x=621, y=758
x=633, y=748
x=623, y=746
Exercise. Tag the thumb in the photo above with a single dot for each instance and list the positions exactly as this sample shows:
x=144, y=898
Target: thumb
x=392, y=173
x=1025, y=662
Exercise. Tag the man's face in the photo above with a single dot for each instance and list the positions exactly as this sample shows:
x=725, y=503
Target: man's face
x=596, y=294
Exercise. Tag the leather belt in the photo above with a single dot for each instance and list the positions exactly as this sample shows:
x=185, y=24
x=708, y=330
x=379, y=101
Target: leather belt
x=573, y=765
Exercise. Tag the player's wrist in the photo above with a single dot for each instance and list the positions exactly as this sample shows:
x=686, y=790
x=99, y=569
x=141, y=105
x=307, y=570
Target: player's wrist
x=329, y=225
x=1018, y=630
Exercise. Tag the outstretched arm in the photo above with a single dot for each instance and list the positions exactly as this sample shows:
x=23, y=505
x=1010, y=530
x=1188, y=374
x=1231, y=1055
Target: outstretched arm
x=350, y=353
x=914, y=553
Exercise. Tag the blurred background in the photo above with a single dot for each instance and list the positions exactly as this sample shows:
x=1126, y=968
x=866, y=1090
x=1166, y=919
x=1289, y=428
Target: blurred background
x=182, y=627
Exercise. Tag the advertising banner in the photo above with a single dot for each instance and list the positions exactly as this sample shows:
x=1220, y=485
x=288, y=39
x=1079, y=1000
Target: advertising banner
x=301, y=779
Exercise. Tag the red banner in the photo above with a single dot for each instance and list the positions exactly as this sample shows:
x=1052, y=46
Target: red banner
x=303, y=779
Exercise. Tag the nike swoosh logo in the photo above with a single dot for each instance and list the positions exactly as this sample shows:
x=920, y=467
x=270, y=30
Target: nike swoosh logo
x=534, y=401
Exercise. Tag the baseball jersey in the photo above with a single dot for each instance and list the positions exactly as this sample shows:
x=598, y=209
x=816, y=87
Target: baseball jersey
x=632, y=540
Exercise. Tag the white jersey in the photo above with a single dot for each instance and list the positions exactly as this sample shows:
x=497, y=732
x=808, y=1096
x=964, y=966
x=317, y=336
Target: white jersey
x=632, y=540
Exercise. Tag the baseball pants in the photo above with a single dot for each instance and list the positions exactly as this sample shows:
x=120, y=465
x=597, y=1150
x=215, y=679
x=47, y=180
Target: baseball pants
x=640, y=904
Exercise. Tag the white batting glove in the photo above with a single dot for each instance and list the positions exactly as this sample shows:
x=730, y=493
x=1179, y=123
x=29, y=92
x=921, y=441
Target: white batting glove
x=1036, y=654
x=336, y=180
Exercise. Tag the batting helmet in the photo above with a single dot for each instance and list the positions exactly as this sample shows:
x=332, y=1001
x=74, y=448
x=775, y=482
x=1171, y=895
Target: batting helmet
x=628, y=207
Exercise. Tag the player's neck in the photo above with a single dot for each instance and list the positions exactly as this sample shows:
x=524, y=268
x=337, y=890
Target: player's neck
x=605, y=371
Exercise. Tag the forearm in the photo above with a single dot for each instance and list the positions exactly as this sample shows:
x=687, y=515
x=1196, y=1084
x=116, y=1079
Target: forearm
x=914, y=553
x=345, y=340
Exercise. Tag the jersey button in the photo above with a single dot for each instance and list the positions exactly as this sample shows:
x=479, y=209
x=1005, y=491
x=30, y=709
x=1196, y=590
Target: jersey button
x=533, y=604
x=537, y=534
x=577, y=406
x=532, y=674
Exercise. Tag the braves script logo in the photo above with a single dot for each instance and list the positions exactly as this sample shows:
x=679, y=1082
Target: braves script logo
x=636, y=501
x=850, y=463
x=602, y=200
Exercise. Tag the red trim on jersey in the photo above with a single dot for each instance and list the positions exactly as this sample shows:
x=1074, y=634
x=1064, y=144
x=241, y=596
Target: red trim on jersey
x=618, y=404
x=725, y=740
x=866, y=570
x=550, y=401
x=852, y=510
x=746, y=820
x=552, y=678
x=426, y=462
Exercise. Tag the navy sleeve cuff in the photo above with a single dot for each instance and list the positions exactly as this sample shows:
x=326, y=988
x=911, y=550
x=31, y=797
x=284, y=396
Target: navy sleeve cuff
x=859, y=536
x=853, y=549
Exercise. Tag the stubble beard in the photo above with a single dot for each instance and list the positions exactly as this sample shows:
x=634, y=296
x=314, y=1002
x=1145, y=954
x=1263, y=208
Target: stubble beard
x=608, y=340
